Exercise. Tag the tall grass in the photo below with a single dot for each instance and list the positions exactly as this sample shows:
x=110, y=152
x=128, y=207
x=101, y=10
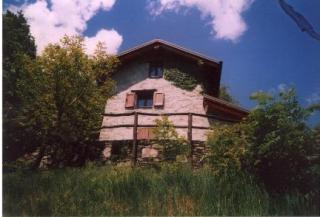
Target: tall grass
x=168, y=190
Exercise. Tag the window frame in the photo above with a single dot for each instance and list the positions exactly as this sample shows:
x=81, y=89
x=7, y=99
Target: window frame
x=147, y=95
x=155, y=65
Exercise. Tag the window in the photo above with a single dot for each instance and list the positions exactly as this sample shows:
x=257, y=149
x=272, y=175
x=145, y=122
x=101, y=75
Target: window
x=144, y=99
x=155, y=70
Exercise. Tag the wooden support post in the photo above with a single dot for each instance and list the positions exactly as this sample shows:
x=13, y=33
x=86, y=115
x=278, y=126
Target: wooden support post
x=135, y=141
x=190, y=135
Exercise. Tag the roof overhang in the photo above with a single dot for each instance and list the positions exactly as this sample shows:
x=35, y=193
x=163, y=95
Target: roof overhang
x=227, y=109
x=158, y=43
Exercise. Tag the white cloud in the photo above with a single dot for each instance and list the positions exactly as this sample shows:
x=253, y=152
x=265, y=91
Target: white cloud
x=225, y=16
x=282, y=87
x=104, y=36
x=50, y=20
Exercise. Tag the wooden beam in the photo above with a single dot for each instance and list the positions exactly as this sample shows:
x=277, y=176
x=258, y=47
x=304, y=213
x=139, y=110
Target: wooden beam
x=135, y=141
x=148, y=125
x=162, y=114
x=190, y=135
x=217, y=117
x=118, y=114
x=117, y=126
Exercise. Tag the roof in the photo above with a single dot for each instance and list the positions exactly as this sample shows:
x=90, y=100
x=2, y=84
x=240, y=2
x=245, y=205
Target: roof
x=216, y=104
x=174, y=47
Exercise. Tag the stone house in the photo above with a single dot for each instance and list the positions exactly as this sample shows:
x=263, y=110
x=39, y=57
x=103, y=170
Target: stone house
x=147, y=83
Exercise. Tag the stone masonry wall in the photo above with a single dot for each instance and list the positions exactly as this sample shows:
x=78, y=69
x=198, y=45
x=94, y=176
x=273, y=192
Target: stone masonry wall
x=150, y=153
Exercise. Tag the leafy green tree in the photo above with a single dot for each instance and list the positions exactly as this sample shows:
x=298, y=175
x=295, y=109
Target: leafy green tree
x=18, y=48
x=64, y=93
x=274, y=143
x=279, y=141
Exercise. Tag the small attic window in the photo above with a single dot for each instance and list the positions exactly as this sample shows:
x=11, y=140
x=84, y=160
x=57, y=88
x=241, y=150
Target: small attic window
x=155, y=70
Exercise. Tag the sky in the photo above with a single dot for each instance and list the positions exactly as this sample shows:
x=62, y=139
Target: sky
x=260, y=46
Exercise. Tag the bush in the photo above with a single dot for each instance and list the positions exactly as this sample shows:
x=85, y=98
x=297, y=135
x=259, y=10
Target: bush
x=228, y=147
x=171, y=143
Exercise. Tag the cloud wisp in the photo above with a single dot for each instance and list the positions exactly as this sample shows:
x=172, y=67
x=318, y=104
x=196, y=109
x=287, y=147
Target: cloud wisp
x=50, y=20
x=225, y=16
x=314, y=98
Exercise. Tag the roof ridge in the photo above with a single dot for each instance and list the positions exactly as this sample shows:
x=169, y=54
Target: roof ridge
x=178, y=47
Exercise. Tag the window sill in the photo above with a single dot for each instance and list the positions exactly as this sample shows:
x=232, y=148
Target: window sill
x=146, y=107
x=155, y=76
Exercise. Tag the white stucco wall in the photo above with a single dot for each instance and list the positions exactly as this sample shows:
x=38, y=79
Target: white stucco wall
x=135, y=77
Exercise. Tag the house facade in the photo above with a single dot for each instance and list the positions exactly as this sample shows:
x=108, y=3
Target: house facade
x=162, y=78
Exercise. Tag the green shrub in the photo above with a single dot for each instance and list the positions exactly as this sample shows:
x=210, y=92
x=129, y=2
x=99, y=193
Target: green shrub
x=228, y=147
x=168, y=139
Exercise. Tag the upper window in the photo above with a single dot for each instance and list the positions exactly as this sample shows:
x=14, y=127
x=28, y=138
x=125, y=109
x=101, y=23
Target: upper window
x=145, y=99
x=155, y=70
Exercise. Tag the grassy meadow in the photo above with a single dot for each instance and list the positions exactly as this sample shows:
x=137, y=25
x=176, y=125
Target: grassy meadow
x=166, y=190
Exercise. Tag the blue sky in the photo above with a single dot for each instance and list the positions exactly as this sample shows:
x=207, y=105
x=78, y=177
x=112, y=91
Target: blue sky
x=266, y=55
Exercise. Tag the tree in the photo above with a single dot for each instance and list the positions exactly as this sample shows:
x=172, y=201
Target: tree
x=274, y=143
x=224, y=94
x=64, y=93
x=279, y=141
x=18, y=47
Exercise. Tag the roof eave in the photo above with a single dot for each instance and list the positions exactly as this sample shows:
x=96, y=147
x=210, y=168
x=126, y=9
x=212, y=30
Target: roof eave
x=227, y=104
x=179, y=48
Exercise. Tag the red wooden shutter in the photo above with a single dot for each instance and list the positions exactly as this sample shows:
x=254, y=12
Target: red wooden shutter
x=143, y=133
x=158, y=99
x=130, y=100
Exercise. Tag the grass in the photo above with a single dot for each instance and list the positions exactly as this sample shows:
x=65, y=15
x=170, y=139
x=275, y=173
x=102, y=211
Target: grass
x=166, y=191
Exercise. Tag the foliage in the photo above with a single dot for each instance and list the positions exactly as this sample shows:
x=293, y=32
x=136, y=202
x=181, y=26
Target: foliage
x=103, y=64
x=274, y=143
x=180, y=78
x=16, y=34
x=224, y=93
x=166, y=136
x=280, y=142
x=122, y=191
x=63, y=95
x=227, y=147
x=18, y=47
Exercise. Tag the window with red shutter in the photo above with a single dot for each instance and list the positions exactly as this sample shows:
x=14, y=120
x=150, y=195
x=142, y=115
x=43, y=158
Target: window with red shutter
x=158, y=100
x=130, y=100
